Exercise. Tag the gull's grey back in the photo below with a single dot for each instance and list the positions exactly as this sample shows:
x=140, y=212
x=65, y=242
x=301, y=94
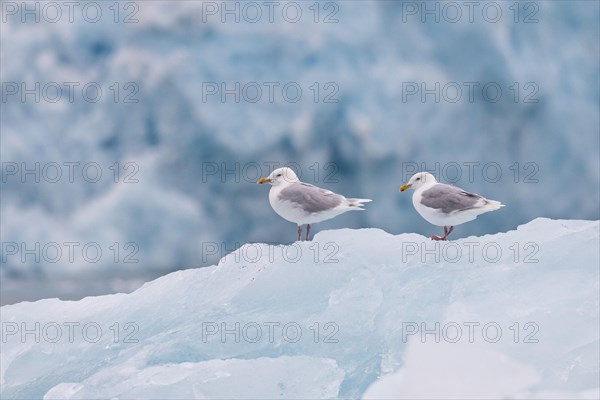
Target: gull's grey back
x=310, y=198
x=448, y=198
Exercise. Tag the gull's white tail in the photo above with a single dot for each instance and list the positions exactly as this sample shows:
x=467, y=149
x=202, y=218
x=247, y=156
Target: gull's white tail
x=358, y=203
x=492, y=205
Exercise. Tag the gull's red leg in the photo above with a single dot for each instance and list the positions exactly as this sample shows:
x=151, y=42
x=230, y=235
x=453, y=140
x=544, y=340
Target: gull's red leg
x=445, y=237
x=299, y=232
x=447, y=231
x=307, y=231
x=436, y=237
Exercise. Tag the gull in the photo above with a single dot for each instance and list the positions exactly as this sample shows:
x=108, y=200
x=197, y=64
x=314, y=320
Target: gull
x=446, y=205
x=303, y=203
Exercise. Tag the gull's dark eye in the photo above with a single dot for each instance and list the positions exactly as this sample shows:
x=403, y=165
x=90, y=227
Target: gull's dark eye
x=278, y=175
x=418, y=179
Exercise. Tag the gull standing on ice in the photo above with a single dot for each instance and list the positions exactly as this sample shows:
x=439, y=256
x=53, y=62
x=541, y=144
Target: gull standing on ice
x=446, y=205
x=303, y=203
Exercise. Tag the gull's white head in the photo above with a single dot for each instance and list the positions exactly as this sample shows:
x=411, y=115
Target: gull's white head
x=418, y=180
x=281, y=176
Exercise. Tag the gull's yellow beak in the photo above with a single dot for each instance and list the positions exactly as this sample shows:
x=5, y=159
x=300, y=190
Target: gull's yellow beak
x=263, y=180
x=404, y=187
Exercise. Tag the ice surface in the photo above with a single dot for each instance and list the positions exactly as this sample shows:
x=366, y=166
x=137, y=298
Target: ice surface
x=342, y=316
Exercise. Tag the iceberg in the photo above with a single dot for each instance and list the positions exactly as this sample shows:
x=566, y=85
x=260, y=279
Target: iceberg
x=352, y=314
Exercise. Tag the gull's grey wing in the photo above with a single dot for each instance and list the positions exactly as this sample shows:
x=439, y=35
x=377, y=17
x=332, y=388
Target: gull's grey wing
x=310, y=198
x=448, y=198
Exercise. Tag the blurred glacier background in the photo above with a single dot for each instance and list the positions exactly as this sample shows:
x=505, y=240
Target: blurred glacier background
x=188, y=154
